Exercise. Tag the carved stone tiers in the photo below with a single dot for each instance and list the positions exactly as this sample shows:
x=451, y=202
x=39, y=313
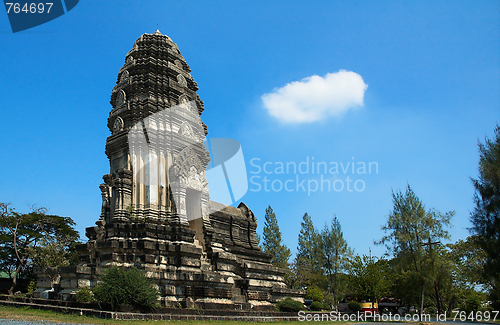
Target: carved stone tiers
x=156, y=212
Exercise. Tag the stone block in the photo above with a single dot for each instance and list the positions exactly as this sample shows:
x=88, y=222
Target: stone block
x=75, y=269
x=69, y=283
x=169, y=290
x=259, y=283
x=188, y=261
x=67, y=295
x=225, y=267
x=169, y=301
x=259, y=295
x=189, y=249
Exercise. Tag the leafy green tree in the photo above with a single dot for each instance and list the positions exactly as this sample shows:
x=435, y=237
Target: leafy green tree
x=127, y=286
x=471, y=300
x=371, y=278
x=445, y=289
x=468, y=260
x=61, y=252
x=447, y=285
x=7, y=258
x=469, y=281
x=334, y=256
x=315, y=294
x=486, y=215
x=441, y=284
x=272, y=241
x=23, y=235
x=406, y=285
x=412, y=235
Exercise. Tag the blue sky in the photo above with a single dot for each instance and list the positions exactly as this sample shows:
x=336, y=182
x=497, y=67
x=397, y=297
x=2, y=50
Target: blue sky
x=432, y=70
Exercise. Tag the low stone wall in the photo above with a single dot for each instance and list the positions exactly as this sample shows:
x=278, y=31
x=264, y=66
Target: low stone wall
x=163, y=314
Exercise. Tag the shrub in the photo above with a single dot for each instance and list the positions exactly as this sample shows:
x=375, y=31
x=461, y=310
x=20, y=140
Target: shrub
x=329, y=300
x=314, y=294
x=316, y=306
x=289, y=305
x=431, y=310
x=127, y=286
x=471, y=301
x=30, y=289
x=354, y=306
x=85, y=295
x=326, y=306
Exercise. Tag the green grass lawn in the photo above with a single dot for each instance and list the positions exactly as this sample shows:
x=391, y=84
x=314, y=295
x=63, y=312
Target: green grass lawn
x=28, y=314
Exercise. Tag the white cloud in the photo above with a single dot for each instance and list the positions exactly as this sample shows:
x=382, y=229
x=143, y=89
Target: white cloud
x=315, y=98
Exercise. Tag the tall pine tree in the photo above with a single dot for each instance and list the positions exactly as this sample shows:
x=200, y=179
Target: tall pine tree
x=486, y=216
x=307, y=262
x=335, y=255
x=272, y=241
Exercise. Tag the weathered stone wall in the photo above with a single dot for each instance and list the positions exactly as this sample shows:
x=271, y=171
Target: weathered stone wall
x=221, y=272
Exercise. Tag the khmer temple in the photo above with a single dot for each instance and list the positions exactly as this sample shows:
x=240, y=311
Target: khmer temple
x=157, y=214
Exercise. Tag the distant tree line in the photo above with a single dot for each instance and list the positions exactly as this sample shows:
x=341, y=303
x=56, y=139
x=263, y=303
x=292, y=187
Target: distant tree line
x=419, y=268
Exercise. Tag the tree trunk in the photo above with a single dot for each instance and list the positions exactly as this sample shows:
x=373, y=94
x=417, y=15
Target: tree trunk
x=451, y=302
x=422, y=302
x=14, y=279
x=438, y=304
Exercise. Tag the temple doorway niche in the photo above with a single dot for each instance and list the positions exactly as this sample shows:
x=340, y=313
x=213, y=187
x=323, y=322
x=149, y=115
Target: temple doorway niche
x=194, y=214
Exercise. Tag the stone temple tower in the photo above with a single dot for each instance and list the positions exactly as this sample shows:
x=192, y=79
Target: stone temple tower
x=156, y=209
x=156, y=151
